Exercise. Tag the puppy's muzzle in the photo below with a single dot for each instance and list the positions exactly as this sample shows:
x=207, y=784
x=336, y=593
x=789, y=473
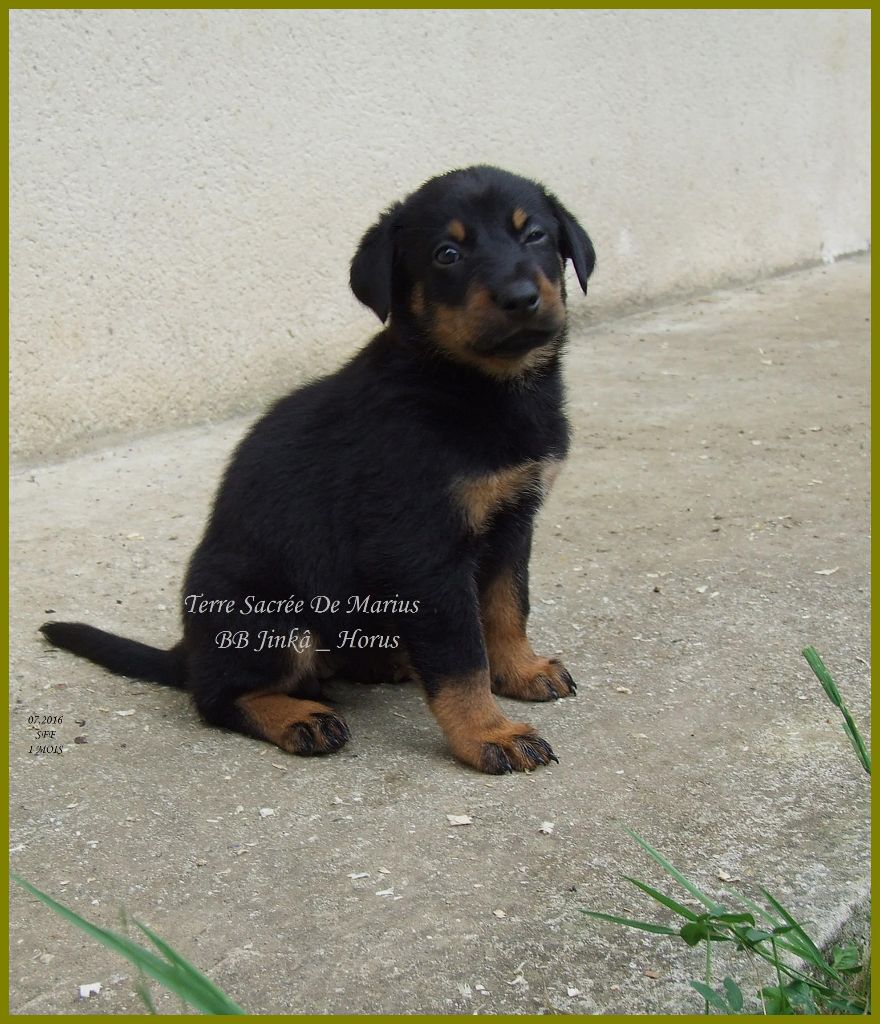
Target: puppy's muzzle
x=520, y=300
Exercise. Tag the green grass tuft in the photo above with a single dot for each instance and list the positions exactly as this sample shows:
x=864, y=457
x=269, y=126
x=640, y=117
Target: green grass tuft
x=836, y=984
x=175, y=973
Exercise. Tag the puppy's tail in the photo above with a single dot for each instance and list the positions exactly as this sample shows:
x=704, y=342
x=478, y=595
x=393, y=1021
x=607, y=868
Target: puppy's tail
x=119, y=655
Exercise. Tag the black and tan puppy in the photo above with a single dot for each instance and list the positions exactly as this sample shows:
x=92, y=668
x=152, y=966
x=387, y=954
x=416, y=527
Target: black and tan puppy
x=403, y=488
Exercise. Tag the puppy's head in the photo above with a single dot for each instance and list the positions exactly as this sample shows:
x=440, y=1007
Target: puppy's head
x=472, y=263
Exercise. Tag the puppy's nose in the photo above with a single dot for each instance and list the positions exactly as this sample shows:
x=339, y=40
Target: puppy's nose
x=520, y=298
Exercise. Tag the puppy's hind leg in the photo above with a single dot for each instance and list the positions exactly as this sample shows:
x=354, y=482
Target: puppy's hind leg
x=253, y=696
x=298, y=726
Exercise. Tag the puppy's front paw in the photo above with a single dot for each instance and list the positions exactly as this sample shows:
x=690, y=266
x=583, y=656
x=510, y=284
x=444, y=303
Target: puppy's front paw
x=536, y=679
x=480, y=735
x=516, y=748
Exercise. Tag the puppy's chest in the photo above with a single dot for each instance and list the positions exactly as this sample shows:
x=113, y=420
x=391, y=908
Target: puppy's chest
x=479, y=497
x=539, y=436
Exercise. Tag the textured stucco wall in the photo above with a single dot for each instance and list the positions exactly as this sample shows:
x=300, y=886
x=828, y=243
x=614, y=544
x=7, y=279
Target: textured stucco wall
x=188, y=186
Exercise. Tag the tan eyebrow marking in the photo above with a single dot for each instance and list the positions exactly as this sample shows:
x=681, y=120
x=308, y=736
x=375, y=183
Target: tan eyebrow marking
x=455, y=229
x=519, y=218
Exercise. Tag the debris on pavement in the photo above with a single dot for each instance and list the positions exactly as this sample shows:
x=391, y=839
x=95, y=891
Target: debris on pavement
x=459, y=819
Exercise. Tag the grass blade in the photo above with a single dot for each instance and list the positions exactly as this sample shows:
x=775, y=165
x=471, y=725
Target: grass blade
x=667, y=901
x=645, y=926
x=756, y=909
x=144, y=992
x=813, y=953
x=677, y=875
x=791, y=943
x=830, y=688
x=823, y=675
x=143, y=982
x=805, y=948
x=168, y=974
x=223, y=1004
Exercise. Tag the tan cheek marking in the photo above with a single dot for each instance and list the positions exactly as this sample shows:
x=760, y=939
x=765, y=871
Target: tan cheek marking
x=455, y=327
x=455, y=230
x=417, y=301
x=551, y=295
x=481, y=497
x=519, y=218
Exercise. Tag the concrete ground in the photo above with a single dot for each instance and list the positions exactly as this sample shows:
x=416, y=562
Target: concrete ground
x=711, y=522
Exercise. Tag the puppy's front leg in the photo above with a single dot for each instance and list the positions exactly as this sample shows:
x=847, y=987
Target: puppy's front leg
x=516, y=670
x=448, y=652
x=504, y=609
x=478, y=732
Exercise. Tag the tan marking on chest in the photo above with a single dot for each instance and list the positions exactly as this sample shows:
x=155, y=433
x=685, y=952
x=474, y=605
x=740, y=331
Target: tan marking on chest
x=481, y=497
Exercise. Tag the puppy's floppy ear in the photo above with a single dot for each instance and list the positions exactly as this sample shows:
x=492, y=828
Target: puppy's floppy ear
x=574, y=243
x=373, y=264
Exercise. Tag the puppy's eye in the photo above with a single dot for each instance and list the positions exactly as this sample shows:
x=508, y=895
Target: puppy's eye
x=446, y=255
x=535, y=235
